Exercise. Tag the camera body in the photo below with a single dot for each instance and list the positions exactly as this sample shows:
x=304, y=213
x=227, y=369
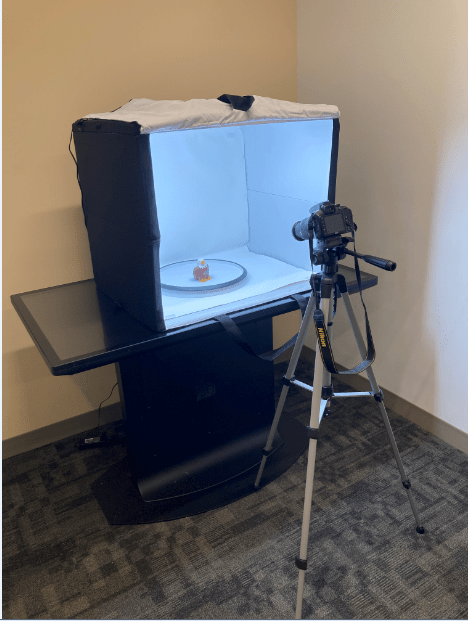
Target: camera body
x=325, y=222
x=330, y=220
x=324, y=228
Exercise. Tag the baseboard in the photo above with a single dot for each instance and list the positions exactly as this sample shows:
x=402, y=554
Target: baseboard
x=439, y=428
x=58, y=431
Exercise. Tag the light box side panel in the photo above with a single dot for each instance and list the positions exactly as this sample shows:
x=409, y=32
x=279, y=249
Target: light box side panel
x=290, y=159
x=271, y=221
x=200, y=189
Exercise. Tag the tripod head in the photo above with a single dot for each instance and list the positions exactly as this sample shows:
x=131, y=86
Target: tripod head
x=323, y=229
x=328, y=257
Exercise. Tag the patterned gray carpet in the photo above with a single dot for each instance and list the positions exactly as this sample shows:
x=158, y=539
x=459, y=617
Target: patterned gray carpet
x=366, y=561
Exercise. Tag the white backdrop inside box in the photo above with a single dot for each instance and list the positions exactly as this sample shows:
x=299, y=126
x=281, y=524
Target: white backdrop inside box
x=234, y=193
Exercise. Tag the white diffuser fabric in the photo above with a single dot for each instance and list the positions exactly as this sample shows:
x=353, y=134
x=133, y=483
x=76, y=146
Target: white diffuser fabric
x=175, y=115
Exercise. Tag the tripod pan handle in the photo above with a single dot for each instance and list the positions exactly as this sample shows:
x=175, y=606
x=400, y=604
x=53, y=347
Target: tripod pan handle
x=384, y=264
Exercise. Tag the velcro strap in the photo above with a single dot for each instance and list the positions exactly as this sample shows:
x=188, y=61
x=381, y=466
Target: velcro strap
x=238, y=102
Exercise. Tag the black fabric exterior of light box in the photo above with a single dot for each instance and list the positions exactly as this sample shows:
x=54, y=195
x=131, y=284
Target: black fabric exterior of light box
x=334, y=161
x=116, y=179
x=107, y=126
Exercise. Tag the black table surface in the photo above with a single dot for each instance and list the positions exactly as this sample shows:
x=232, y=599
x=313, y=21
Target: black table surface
x=77, y=327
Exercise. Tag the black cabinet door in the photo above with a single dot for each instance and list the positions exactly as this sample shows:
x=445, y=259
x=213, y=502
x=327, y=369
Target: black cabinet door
x=195, y=399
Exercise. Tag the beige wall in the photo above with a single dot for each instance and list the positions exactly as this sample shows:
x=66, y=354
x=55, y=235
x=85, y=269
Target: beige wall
x=63, y=60
x=398, y=71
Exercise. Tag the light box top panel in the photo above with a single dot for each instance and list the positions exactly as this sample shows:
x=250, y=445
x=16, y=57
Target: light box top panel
x=175, y=115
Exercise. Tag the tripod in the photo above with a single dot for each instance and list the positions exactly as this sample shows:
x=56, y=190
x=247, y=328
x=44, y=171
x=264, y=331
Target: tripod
x=322, y=391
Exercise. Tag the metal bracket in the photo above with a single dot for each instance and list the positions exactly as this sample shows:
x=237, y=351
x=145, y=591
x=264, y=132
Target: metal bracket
x=379, y=398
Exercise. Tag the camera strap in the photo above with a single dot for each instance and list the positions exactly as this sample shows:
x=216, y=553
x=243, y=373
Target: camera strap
x=233, y=330
x=322, y=334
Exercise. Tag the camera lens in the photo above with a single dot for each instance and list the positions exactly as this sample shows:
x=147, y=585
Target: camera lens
x=300, y=230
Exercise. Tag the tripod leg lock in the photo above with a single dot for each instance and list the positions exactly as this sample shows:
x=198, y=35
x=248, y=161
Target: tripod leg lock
x=379, y=398
x=327, y=392
x=266, y=452
x=312, y=434
x=406, y=484
x=286, y=381
x=301, y=563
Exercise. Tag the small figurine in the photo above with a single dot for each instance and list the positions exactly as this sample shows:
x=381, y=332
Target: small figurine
x=202, y=271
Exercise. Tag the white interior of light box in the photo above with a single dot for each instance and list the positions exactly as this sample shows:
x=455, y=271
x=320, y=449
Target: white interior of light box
x=234, y=193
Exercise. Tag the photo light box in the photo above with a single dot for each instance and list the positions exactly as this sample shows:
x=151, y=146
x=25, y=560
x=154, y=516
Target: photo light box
x=166, y=184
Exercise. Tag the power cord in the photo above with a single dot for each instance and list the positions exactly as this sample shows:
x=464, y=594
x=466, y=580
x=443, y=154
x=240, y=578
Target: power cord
x=101, y=440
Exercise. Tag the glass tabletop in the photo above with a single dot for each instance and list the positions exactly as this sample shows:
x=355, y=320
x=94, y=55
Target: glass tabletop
x=77, y=327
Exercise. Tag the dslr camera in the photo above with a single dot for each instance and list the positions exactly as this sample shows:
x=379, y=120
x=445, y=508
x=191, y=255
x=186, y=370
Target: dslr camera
x=324, y=228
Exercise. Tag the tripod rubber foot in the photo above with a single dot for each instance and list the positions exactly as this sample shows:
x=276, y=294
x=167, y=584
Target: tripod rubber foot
x=420, y=530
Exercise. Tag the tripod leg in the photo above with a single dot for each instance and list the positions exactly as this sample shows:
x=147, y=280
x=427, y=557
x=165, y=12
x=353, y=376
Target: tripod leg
x=308, y=315
x=378, y=396
x=301, y=561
